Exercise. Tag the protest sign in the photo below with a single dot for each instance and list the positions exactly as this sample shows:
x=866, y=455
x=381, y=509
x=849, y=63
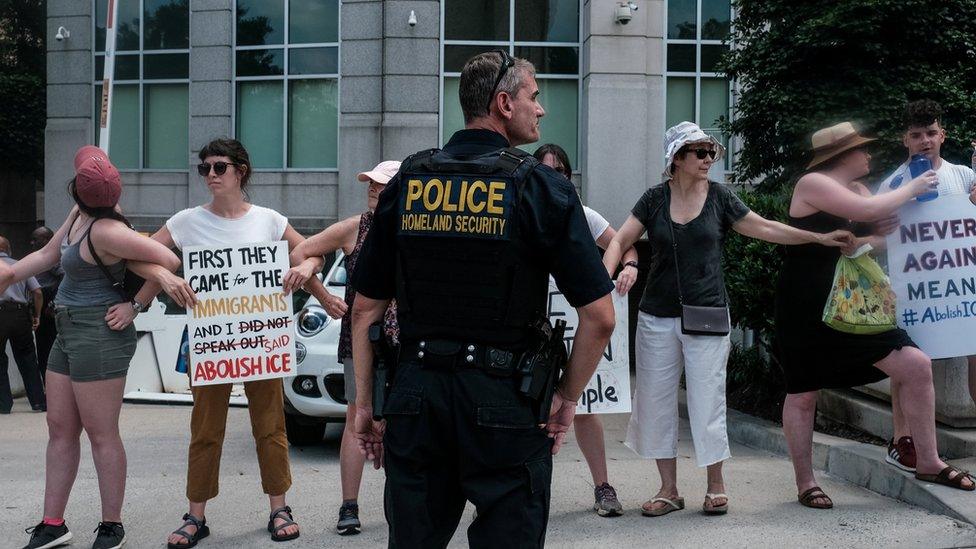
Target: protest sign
x=609, y=389
x=932, y=266
x=242, y=327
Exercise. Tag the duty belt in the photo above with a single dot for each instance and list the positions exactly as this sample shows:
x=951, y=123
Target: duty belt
x=442, y=353
x=12, y=306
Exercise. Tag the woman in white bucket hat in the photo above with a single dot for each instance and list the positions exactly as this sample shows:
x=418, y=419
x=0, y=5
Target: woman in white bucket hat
x=686, y=219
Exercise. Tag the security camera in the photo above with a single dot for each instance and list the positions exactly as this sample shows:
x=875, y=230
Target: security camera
x=624, y=12
x=62, y=34
x=412, y=20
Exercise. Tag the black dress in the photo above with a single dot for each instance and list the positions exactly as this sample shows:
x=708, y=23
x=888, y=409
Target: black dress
x=811, y=354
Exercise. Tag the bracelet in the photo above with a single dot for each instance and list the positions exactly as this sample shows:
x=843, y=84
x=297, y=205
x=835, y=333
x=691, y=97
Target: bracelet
x=631, y=264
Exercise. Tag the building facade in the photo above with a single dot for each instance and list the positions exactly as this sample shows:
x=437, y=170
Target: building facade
x=319, y=90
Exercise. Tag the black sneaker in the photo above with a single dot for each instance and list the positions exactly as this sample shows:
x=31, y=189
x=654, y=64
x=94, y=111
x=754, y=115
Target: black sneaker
x=111, y=535
x=348, y=524
x=44, y=536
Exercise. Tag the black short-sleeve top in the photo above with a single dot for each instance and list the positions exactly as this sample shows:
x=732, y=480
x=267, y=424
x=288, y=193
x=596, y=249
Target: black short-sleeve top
x=699, y=250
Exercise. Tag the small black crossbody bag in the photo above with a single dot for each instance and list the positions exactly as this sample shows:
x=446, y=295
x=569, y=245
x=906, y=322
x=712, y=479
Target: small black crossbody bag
x=695, y=320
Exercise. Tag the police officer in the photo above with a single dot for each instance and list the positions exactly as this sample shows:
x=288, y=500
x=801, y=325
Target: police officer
x=465, y=239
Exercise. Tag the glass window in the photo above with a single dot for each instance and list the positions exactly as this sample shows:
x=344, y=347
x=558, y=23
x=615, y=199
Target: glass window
x=296, y=74
x=165, y=66
x=551, y=60
x=150, y=105
x=696, y=91
x=456, y=56
x=259, y=121
x=167, y=26
x=127, y=34
x=313, y=109
x=313, y=61
x=476, y=19
x=681, y=101
x=716, y=19
x=260, y=62
x=313, y=21
x=260, y=22
x=546, y=32
x=682, y=19
x=124, y=137
x=681, y=58
x=167, y=115
x=547, y=20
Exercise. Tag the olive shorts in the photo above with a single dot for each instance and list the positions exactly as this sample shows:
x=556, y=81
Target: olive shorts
x=86, y=349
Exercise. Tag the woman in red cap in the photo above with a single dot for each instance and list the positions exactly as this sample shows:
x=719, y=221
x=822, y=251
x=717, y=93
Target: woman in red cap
x=349, y=235
x=89, y=361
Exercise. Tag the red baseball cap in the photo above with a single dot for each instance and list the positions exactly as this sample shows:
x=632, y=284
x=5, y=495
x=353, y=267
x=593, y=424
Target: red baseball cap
x=97, y=182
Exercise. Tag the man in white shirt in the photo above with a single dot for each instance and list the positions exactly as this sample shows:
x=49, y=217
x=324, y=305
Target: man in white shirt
x=924, y=134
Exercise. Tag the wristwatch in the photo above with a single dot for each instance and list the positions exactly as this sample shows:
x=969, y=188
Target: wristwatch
x=136, y=306
x=631, y=264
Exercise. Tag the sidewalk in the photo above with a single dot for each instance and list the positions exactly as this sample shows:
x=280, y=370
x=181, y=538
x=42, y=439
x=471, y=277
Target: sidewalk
x=764, y=512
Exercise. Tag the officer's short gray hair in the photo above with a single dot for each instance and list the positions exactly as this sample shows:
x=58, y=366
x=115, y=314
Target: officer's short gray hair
x=478, y=76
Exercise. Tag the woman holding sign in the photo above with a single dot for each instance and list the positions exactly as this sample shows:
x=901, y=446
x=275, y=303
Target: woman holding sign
x=683, y=321
x=89, y=361
x=814, y=356
x=588, y=427
x=229, y=219
x=348, y=235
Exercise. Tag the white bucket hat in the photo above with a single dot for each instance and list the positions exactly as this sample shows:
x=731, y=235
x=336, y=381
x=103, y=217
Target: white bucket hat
x=682, y=134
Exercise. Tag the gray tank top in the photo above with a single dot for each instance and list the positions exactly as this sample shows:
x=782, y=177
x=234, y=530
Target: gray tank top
x=84, y=284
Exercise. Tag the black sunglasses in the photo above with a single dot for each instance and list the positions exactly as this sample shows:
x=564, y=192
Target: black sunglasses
x=219, y=168
x=702, y=153
x=507, y=63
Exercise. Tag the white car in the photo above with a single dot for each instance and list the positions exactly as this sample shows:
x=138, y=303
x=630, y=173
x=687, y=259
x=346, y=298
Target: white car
x=316, y=395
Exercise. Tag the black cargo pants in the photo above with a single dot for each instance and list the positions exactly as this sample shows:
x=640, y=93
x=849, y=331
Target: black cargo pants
x=456, y=434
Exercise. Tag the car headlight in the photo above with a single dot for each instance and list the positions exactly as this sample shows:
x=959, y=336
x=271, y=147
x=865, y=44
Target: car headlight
x=300, y=351
x=312, y=320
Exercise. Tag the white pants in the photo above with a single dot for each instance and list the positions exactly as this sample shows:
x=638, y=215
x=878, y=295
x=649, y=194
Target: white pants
x=662, y=352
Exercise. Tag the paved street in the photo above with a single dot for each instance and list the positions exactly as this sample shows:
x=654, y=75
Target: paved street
x=764, y=512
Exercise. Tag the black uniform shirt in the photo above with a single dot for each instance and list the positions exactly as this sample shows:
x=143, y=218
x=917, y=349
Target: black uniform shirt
x=550, y=216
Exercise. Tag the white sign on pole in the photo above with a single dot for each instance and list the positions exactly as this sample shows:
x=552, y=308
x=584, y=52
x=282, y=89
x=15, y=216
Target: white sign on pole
x=242, y=327
x=932, y=266
x=609, y=389
x=108, y=75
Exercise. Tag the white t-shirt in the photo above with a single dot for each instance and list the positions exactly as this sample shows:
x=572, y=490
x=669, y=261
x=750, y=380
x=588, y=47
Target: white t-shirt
x=200, y=227
x=597, y=222
x=953, y=178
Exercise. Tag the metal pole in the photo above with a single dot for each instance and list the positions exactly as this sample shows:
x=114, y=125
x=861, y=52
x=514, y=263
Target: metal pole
x=108, y=76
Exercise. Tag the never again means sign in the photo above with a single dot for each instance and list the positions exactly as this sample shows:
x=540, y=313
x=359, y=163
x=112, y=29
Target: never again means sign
x=242, y=328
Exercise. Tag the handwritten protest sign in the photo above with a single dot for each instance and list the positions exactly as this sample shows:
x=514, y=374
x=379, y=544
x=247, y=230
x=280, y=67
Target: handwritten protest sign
x=932, y=266
x=241, y=329
x=609, y=389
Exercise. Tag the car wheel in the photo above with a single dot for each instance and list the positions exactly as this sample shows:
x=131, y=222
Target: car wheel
x=303, y=432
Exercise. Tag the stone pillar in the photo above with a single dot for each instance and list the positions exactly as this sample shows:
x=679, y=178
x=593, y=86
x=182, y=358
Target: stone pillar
x=623, y=106
x=211, y=82
x=411, y=78
x=361, y=99
x=69, y=101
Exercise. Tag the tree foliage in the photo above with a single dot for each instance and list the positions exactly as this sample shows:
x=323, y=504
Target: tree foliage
x=22, y=86
x=800, y=66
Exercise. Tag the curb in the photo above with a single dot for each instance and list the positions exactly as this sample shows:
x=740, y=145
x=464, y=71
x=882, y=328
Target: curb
x=858, y=463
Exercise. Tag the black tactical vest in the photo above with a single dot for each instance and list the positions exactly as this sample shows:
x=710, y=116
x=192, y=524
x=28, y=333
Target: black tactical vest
x=464, y=270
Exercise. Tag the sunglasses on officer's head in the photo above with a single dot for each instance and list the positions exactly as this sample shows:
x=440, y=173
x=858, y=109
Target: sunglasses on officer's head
x=219, y=168
x=700, y=154
x=507, y=63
